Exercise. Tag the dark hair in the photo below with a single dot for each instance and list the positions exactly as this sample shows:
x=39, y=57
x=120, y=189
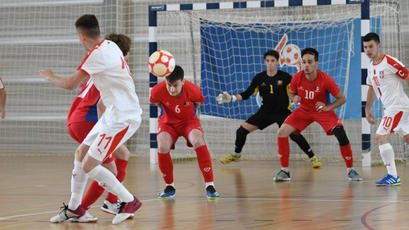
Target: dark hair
x=311, y=51
x=123, y=42
x=177, y=74
x=88, y=25
x=272, y=53
x=371, y=36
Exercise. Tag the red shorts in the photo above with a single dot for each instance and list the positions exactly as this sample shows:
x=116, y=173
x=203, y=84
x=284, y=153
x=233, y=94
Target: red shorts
x=301, y=118
x=79, y=130
x=182, y=129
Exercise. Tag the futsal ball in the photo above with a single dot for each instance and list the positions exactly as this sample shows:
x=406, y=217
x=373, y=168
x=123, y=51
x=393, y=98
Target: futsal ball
x=161, y=63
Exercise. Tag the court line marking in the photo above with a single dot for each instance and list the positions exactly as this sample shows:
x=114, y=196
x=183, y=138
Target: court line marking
x=366, y=214
x=47, y=212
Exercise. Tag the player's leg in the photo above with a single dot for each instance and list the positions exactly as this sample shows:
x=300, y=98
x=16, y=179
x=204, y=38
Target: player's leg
x=241, y=135
x=195, y=137
x=122, y=155
x=302, y=143
x=78, y=182
x=109, y=138
x=166, y=139
x=95, y=190
x=392, y=121
x=295, y=122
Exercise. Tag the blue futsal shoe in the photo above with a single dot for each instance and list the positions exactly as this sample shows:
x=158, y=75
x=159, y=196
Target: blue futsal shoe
x=211, y=193
x=389, y=180
x=168, y=193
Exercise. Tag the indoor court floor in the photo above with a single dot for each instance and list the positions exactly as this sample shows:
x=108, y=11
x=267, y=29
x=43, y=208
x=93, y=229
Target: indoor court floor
x=33, y=187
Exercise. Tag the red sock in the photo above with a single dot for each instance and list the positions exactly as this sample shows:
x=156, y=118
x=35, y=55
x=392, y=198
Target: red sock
x=205, y=162
x=166, y=167
x=283, y=151
x=92, y=195
x=121, y=168
x=346, y=152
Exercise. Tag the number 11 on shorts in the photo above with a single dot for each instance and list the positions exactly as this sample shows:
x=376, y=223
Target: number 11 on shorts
x=104, y=137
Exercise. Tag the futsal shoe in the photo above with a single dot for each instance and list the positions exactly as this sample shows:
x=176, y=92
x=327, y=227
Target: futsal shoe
x=212, y=195
x=316, y=163
x=353, y=175
x=86, y=218
x=67, y=213
x=126, y=210
x=168, y=193
x=112, y=208
x=229, y=158
x=389, y=180
x=282, y=176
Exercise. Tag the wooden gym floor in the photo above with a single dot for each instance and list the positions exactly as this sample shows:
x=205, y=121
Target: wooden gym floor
x=32, y=188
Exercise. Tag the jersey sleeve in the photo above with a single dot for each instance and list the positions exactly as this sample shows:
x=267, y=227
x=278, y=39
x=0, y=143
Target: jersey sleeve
x=1, y=83
x=294, y=82
x=368, y=79
x=93, y=63
x=196, y=94
x=397, y=67
x=154, y=95
x=332, y=87
x=252, y=89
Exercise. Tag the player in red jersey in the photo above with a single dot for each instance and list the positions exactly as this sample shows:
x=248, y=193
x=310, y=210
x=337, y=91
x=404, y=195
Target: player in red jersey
x=178, y=99
x=2, y=99
x=309, y=87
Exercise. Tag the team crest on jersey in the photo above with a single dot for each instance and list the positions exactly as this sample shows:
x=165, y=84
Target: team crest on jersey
x=279, y=82
x=381, y=75
x=316, y=89
x=186, y=104
x=263, y=84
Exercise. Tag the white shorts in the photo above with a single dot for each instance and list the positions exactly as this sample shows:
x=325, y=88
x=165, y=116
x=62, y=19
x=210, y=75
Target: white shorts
x=107, y=135
x=394, y=120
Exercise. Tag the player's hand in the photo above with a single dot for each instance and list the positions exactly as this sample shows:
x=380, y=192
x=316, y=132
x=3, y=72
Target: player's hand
x=47, y=74
x=296, y=100
x=224, y=97
x=369, y=116
x=321, y=107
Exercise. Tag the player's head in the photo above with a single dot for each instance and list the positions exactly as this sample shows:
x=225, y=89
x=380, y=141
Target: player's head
x=174, y=82
x=309, y=60
x=271, y=58
x=88, y=29
x=372, y=44
x=123, y=42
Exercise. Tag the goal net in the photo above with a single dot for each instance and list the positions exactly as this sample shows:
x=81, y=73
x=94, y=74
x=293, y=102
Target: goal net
x=222, y=50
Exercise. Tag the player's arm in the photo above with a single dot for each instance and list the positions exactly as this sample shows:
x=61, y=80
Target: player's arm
x=100, y=108
x=2, y=103
x=69, y=83
x=225, y=97
x=370, y=98
x=294, y=97
x=340, y=99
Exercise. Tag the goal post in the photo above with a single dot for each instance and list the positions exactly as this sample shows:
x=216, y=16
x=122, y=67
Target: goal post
x=220, y=46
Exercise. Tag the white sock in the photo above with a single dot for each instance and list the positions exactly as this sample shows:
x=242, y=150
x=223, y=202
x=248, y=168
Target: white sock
x=285, y=169
x=173, y=185
x=388, y=157
x=78, y=182
x=209, y=183
x=109, y=182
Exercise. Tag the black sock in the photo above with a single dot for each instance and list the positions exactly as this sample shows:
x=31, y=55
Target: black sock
x=303, y=144
x=241, y=135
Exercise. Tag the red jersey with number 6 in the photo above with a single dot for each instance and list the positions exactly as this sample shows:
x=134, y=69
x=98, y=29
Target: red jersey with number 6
x=315, y=91
x=177, y=109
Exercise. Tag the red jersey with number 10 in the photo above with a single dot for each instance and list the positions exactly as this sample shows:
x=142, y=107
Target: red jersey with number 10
x=177, y=109
x=312, y=92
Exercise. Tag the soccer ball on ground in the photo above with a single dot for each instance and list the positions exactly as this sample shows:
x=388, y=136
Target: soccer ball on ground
x=161, y=63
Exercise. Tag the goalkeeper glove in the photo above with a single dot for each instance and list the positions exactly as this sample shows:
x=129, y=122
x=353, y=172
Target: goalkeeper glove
x=225, y=97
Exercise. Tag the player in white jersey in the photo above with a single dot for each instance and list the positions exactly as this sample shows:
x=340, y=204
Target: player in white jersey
x=2, y=100
x=106, y=65
x=385, y=75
